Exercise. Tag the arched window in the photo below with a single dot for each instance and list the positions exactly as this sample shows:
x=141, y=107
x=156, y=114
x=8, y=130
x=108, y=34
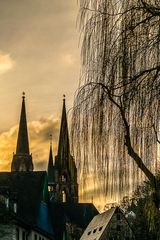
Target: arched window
x=63, y=196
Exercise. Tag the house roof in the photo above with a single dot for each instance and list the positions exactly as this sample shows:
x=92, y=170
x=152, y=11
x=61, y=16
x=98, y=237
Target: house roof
x=27, y=189
x=98, y=224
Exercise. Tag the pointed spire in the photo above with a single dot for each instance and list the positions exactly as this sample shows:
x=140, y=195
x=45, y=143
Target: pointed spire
x=63, y=147
x=22, y=160
x=50, y=169
x=50, y=162
x=22, y=142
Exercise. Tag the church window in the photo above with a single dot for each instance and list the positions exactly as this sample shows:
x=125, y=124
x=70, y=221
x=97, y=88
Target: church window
x=63, y=196
x=89, y=232
x=50, y=188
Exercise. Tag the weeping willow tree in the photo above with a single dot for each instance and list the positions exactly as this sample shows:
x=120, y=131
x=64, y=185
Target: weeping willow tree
x=115, y=121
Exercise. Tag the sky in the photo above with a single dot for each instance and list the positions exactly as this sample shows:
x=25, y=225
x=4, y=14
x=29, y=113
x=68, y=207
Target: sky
x=40, y=55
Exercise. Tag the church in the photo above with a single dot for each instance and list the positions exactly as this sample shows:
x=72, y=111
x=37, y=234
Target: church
x=40, y=205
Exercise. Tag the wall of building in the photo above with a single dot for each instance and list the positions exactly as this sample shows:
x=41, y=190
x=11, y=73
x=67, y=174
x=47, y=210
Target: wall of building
x=7, y=232
x=12, y=232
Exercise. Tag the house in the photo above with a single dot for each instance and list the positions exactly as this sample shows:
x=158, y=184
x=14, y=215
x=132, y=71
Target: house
x=24, y=202
x=24, y=208
x=110, y=225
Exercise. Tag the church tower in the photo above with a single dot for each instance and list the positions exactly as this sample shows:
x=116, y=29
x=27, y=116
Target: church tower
x=22, y=160
x=65, y=171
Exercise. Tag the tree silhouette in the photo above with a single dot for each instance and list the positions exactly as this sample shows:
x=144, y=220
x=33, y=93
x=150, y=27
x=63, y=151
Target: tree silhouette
x=115, y=125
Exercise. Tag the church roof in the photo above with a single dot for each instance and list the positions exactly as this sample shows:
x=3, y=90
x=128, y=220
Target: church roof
x=22, y=141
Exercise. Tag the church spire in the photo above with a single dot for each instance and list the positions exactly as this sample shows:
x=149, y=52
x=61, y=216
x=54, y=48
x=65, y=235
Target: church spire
x=65, y=168
x=22, y=142
x=22, y=160
x=50, y=169
x=63, y=147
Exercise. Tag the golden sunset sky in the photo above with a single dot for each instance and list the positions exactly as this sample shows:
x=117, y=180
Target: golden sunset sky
x=39, y=55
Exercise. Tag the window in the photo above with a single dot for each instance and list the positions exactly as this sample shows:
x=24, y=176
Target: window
x=35, y=236
x=100, y=228
x=94, y=230
x=39, y=238
x=89, y=233
x=17, y=233
x=15, y=207
x=7, y=202
x=63, y=196
x=23, y=235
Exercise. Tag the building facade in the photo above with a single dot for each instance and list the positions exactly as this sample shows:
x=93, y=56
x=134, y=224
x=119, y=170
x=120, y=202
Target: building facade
x=62, y=175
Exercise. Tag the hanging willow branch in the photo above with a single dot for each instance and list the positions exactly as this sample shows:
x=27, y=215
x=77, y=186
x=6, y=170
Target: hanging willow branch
x=116, y=110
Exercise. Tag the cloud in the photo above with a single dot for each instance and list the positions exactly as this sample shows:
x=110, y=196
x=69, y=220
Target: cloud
x=39, y=135
x=6, y=62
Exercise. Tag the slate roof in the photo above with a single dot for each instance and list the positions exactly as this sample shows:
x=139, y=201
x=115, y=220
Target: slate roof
x=27, y=189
